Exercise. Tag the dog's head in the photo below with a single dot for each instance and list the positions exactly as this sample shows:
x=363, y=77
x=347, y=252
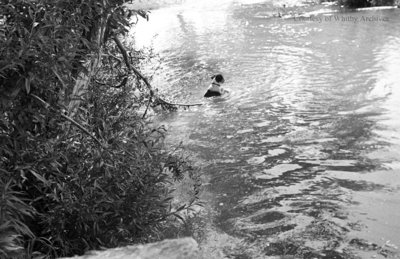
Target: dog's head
x=218, y=78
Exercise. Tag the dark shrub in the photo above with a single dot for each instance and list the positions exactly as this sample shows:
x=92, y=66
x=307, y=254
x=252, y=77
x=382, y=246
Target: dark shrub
x=366, y=3
x=80, y=169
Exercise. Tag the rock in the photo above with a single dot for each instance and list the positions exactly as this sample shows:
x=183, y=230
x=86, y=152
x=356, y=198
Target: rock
x=182, y=248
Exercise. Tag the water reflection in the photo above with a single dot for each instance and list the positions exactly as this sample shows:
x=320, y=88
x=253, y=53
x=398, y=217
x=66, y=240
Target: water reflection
x=303, y=155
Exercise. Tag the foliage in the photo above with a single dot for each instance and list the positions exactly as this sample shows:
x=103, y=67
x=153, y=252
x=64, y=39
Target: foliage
x=12, y=212
x=80, y=169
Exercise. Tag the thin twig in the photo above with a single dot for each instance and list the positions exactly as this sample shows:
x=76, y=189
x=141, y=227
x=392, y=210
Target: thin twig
x=182, y=104
x=122, y=84
x=59, y=78
x=82, y=128
x=47, y=106
x=147, y=107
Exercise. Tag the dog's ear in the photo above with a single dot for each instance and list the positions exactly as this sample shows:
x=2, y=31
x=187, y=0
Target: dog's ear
x=213, y=77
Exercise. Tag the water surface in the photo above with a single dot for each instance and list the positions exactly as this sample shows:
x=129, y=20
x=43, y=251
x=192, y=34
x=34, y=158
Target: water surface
x=302, y=158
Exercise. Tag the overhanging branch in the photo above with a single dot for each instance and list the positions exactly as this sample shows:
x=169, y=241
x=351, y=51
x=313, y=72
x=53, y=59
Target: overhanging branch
x=144, y=79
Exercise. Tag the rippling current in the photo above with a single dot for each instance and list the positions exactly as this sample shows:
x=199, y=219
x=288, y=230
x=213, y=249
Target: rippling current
x=302, y=158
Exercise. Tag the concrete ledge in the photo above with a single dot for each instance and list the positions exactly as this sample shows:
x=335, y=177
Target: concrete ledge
x=182, y=248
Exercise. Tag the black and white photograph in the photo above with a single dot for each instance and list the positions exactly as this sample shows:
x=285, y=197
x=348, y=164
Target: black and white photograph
x=200, y=129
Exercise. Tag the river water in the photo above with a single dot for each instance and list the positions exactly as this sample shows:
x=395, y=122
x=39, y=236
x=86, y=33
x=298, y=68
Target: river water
x=301, y=159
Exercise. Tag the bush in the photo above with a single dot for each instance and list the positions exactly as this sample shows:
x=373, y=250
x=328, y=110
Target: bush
x=80, y=169
x=13, y=210
x=366, y=3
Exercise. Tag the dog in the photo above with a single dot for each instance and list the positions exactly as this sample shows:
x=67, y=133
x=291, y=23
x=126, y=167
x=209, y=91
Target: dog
x=215, y=88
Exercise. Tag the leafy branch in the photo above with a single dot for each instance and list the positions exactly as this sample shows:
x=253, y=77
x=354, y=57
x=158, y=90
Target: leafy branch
x=79, y=126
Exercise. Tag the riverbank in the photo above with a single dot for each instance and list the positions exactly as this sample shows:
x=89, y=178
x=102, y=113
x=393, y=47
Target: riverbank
x=368, y=3
x=81, y=167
